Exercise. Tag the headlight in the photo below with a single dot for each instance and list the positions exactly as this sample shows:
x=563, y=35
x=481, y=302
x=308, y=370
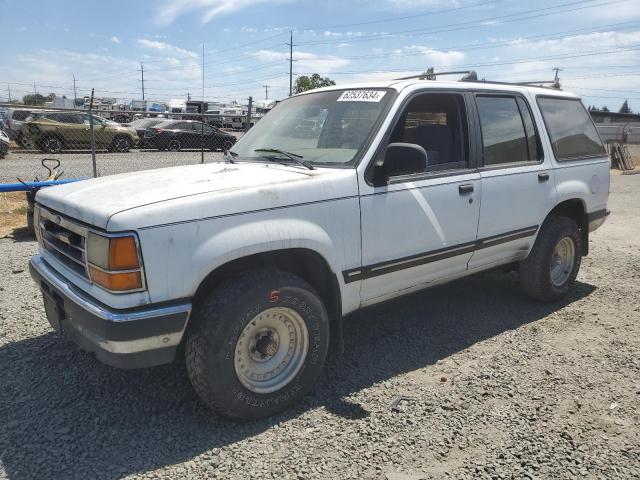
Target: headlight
x=114, y=262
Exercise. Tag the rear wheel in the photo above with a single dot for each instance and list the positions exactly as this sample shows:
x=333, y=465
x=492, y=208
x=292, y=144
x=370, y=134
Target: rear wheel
x=25, y=142
x=257, y=344
x=52, y=145
x=553, y=264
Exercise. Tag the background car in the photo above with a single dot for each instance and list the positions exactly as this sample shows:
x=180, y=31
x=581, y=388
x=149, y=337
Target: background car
x=178, y=135
x=142, y=125
x=12, y=123
x=4, y=143
x=53, y=132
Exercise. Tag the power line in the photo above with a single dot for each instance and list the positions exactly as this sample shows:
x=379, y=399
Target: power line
x=395, y=19
x=525, y=15
x=509, y=62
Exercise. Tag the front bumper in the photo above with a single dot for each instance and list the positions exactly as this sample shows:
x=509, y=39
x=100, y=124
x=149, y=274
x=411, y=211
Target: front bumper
x=132, y=338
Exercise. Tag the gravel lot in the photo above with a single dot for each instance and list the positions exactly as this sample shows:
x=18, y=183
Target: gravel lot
x=498, y=387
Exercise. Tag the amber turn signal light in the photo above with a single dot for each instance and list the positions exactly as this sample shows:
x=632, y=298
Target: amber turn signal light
x=116, y=281
x=123, y=253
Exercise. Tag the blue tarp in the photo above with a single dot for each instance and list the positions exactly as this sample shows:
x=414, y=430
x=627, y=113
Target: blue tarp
x=26, y=186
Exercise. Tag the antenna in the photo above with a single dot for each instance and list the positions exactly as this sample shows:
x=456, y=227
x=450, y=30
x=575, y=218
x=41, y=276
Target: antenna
x=266, y=91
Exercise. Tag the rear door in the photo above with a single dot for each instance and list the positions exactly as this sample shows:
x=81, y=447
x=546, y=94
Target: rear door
x=518, y=187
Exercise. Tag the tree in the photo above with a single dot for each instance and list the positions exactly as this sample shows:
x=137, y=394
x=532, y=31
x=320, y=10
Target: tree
x=604, y=109
x=625, y=108
x=37, y=99
x=33, y=99
x=304, y=83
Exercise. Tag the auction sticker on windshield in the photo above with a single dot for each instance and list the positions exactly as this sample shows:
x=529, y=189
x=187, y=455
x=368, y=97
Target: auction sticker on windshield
x=361, y=96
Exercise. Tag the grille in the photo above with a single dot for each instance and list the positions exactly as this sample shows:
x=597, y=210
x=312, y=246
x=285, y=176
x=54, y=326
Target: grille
x=65, y=240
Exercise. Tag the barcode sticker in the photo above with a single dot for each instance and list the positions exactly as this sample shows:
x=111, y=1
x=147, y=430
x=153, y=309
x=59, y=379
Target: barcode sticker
x=361, y=96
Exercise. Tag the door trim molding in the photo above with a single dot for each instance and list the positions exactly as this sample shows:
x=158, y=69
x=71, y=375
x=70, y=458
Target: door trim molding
x=389, y=266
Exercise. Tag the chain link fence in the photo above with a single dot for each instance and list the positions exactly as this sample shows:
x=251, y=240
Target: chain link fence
x=115, y=141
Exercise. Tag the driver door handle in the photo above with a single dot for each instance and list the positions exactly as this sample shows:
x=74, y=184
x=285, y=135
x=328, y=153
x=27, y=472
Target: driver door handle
x=465, y=188
x=543, y=177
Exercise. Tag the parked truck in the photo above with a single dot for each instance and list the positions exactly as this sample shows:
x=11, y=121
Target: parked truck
x=338, y=199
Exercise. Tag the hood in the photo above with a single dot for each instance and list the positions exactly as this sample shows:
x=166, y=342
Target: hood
x=95, y=201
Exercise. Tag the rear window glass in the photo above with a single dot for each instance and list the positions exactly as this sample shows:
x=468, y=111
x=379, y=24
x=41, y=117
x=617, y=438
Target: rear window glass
x=570, y=127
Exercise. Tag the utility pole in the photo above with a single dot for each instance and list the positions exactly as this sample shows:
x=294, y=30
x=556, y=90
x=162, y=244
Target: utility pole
x=142, y=72
x=34, y=88
x=290, y=62
x=9, y=89
x=75, y=96
x=266, y=91
x=248, y=125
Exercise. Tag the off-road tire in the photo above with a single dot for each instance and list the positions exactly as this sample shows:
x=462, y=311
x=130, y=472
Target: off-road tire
x=535, y=270
x=216, y=325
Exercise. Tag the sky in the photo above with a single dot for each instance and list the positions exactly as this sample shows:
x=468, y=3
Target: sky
x=596, y=43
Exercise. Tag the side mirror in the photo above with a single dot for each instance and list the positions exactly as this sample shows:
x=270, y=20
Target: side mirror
x=400, y=159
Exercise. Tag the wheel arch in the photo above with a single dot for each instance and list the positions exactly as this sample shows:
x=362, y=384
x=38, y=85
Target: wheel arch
x=576, y=210
x=306, y=263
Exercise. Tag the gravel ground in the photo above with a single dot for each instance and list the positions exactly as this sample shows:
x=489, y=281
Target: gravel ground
x=497, y=386
x=25, y=164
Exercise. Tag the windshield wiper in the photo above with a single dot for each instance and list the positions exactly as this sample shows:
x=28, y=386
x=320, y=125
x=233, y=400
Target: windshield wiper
x=291, y=156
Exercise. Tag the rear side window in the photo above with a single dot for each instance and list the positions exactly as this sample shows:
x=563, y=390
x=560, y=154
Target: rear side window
x=572, y=132
x=508, y=132
x=20, y=115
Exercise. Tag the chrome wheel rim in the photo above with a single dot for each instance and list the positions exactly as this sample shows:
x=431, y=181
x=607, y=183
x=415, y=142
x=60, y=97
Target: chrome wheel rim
x=562, y=261
x=271, y=350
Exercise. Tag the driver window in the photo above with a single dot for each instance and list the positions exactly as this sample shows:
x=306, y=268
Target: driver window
x=436, y=122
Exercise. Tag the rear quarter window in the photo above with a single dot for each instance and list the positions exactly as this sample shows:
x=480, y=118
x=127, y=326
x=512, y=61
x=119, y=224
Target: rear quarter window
x=572, y=132
x=20, y=115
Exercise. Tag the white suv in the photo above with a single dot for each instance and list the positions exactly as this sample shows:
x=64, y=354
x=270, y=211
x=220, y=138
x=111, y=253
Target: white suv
x=247, y=267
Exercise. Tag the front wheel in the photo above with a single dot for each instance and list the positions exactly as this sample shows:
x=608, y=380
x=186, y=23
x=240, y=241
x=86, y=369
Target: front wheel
x=257, y=344
x=121, y=145
x=174, y=146
x=552, y=266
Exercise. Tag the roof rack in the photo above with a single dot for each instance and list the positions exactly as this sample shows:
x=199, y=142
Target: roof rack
x=472, y=76
x=469, y=75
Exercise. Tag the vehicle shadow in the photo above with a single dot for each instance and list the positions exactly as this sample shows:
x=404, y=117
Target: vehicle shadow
x=63, y=414
x=21, y=234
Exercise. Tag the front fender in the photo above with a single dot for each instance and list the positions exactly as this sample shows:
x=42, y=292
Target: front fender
x=258, y=237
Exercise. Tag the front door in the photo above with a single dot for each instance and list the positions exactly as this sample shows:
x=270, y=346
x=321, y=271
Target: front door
x=421, y=227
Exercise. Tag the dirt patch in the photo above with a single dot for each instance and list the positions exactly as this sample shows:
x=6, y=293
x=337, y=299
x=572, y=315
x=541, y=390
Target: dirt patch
x=13, y=212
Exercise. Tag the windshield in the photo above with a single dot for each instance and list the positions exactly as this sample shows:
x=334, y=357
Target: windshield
x=323, y=128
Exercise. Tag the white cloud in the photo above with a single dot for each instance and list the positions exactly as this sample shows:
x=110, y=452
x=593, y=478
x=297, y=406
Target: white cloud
x=165, y=47
x=329, y=33
x=305, y=61
x=434, y=57
x=209, y=9
x=406, y=4
x=115, y=39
